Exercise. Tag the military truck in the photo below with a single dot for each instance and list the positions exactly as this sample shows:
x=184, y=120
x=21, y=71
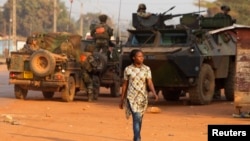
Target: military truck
x=185, y=58
x=55, y=67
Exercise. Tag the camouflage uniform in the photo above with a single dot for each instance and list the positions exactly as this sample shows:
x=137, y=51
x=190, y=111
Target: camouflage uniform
x=102, y=39
x=225, y=14
x=88, y=66
x=30, y=45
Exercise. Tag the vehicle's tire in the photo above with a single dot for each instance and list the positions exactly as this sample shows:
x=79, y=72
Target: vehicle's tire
x=101, y=60
x=96, y=88
x=20, y=93
x=229, y=82
x=202, y=93
x=48, y=95
x=115, y=89
x=171, y=95
x=42, y=63
x=68, y=92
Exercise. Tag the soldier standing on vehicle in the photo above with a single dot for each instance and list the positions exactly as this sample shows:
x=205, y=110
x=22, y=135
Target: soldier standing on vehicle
x=102, y=33
x=225, y=13
x=30, y=46
x=88, y=66
x=141, y=11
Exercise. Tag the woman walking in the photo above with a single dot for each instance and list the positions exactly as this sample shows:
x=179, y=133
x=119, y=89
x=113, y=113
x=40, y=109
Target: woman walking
x=137, y=77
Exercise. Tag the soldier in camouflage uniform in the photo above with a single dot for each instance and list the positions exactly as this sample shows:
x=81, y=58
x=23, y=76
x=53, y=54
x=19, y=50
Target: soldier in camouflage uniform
x=102, y=34
x=30, y=46
x=88, y=66
x=141, y=11
x=225, y=14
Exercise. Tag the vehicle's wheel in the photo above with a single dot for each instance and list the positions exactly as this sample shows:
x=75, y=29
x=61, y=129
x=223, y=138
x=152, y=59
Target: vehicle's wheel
x=48, y=95
x=20, y=93
x=68, y=92
x=96, y=84
x=171, y=95
x=229, y=82
x=202, y=93
x=42, y=63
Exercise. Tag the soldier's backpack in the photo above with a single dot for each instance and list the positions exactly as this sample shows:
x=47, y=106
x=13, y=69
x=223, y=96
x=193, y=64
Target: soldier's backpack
x=101, y=31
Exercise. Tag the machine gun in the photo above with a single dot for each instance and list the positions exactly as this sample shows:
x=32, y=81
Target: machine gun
x=156, y=21
x=170, y=16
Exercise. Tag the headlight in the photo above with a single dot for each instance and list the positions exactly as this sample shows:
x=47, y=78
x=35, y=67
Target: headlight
x=192, y=50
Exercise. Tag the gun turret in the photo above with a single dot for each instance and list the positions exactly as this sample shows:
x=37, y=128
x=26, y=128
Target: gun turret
x=155, y=21
x=170, y=16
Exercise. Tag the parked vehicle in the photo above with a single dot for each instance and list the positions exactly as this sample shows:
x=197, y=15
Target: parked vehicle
x=188, y=57
x=54, y=67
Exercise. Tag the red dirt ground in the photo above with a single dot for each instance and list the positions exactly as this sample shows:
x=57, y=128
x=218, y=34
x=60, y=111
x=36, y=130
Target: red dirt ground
x=37, y=119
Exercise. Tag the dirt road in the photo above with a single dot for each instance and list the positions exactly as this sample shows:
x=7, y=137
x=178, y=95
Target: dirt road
x=38, y=119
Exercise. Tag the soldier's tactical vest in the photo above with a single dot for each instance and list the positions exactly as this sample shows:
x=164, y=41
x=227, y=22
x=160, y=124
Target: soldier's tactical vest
x=85, y=62
x=101, y=32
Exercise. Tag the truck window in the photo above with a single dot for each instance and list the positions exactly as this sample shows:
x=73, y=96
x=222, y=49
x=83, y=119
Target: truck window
x=143, y=39
x=173, y=38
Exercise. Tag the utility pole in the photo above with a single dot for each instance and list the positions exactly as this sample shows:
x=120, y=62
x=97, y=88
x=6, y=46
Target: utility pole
x=81, y=20
x=71, y=1
x=14, y=25
x=9, y=37
x=118, y=23
x=55, y=16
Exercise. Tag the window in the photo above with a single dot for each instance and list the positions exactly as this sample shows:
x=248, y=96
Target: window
x=143, y=39
x=173, y=37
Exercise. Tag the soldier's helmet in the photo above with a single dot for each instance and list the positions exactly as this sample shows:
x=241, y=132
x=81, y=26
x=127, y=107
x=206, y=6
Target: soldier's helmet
x=141, y=6
x=103, y=18
x=225, y=8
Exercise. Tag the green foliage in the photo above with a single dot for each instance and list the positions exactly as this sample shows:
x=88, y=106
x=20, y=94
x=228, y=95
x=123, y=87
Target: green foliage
x=34, y=16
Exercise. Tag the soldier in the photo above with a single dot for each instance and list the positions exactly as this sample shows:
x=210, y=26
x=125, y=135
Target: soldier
x=102, y=34
x=141, y=11
x=88, y=66
x=30, y=46
x=225, y=13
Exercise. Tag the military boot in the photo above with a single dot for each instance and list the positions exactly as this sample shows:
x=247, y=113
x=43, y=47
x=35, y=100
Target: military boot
x=90, y=95
x=96, y=95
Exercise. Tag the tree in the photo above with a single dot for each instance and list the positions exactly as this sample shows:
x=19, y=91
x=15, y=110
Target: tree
x=37, y=16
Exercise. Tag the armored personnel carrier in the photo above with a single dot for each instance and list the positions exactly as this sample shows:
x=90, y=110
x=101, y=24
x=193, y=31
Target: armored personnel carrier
x=188, y=57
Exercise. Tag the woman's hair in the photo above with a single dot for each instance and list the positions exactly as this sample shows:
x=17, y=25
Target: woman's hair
x=133, y=53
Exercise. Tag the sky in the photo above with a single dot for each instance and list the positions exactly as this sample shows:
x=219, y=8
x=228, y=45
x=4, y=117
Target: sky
x=121, y=10
x=127, y=7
